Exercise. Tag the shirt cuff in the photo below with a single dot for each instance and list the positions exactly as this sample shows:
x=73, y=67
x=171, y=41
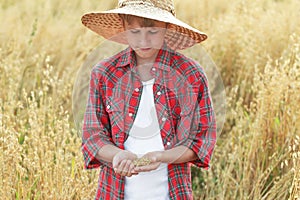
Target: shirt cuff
x=90, y=149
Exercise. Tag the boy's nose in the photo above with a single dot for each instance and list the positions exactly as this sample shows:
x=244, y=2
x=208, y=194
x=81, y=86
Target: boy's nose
x=144, y=39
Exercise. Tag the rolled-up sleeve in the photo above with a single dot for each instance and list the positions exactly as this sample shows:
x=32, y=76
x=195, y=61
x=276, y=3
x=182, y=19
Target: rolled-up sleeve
x=199, y=126
x=96, y=126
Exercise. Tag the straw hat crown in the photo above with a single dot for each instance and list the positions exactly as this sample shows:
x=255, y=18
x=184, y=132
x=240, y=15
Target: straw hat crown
x=167, y=5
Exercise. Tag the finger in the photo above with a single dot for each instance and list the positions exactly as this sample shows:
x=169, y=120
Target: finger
x=127, y=168
x=147, y=168
x=132, y=174
x=131, y=169
x=116, y=162
x=121, y=167
x=116, y=166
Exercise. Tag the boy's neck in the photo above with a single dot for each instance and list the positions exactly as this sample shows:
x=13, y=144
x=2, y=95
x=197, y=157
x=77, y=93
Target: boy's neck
x=144, y=66
x=145, y=61
x=144, y=71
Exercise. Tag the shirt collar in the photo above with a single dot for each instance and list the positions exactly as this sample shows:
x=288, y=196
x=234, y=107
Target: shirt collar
x=127, y=58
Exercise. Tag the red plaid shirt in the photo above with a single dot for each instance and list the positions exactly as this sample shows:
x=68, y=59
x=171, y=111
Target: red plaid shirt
x=184, y=111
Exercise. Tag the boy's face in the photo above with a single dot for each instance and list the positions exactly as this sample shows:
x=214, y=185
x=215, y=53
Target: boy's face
x=145, y=41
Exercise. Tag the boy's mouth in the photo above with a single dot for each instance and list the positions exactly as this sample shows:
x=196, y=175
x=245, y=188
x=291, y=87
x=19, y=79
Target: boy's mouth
x=144, y=49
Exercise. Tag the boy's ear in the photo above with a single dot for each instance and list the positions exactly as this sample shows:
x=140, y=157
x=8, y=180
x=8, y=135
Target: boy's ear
x=122, y=21
x=167, y=25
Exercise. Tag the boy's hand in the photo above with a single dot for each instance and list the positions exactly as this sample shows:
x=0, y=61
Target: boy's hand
x=123, y=163
x=155, y=158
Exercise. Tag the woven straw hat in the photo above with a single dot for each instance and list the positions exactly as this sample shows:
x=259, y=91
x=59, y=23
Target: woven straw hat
x=109, y=24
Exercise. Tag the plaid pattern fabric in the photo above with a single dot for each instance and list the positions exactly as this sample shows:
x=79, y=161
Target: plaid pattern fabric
x=184, y=111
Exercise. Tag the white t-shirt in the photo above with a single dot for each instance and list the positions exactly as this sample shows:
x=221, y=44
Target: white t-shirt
x=145, y=137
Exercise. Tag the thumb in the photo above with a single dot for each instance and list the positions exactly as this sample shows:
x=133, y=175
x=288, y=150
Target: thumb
x=153, y=159
x=115, y=162
x=156, y=157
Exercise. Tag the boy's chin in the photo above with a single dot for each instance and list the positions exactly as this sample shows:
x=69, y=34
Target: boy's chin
x=146, y=53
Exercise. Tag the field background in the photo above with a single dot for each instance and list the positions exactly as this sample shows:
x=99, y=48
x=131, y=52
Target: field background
x=256, y=46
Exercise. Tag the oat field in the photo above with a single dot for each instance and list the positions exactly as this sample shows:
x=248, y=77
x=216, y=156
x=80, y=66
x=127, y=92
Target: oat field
x=255, y=45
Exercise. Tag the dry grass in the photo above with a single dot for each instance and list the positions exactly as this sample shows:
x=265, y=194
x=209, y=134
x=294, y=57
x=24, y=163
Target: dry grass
x=256, y=45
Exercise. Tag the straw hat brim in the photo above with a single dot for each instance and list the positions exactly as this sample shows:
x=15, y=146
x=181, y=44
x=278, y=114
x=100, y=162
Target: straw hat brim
x=109, y=25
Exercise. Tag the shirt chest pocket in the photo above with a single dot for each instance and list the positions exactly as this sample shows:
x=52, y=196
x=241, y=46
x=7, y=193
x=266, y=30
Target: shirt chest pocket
x=115, y=109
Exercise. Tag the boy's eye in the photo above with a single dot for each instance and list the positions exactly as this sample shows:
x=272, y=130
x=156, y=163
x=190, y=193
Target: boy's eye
x=153, y=31
x=134, y=31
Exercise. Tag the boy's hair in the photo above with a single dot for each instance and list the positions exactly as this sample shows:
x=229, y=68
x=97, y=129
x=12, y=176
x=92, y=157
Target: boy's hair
x=143, y=22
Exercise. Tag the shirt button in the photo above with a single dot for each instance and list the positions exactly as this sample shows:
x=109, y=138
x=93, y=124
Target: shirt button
x=130, y=114
x=108, y=106
x=158, y=93
x=168, y=143
x=164, y=119
x=137, y=89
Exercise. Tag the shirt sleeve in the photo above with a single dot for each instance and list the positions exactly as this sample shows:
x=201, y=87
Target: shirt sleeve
x=199, y=127
x=96, y=126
